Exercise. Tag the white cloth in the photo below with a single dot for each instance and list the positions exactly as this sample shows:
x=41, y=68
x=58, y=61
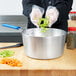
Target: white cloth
x=36, y=14
x=52, y=14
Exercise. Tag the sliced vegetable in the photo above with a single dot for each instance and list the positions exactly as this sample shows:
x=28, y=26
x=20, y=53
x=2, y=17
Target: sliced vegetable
x=6, y=53
x=43, y=23
x=11, y=61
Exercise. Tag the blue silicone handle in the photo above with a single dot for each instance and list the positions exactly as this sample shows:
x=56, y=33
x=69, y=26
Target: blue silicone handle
x=11, y=26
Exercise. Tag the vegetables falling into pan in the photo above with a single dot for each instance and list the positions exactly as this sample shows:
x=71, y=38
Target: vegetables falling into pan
x=43, y=24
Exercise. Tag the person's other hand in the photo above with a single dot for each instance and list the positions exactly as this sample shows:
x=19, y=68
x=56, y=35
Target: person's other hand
x=52, y=14
x=36, y=14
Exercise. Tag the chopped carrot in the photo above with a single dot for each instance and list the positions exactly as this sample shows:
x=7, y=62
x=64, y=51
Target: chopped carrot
x=11, y=62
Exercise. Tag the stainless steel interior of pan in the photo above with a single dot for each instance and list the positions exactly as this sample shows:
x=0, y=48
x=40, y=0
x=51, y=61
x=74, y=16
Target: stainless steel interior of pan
x=36, y=32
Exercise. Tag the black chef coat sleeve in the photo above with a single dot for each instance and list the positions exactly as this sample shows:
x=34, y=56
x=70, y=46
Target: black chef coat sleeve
x=64, y=7
x=27, y=6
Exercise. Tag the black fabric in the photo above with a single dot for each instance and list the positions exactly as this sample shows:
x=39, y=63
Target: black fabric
x=63, y=6
x=61, y=25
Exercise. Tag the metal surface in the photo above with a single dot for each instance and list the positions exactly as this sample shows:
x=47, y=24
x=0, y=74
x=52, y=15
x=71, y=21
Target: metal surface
x=47, y=45
x=11, y=35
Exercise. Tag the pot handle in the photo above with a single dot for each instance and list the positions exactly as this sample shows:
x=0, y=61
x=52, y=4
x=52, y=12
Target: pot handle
x=11, y=26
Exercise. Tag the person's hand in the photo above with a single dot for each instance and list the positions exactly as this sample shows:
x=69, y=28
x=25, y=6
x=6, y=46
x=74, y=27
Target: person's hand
x=52, y=14
x=36, y=14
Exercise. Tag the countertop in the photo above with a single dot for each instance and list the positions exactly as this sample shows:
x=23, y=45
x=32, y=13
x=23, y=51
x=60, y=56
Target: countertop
x=63, y=66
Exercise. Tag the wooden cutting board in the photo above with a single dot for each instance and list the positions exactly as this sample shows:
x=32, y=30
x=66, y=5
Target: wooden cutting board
x=62, y=66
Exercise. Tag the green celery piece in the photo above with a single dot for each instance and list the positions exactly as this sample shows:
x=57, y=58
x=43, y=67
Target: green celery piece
x=6, y=53
x=44, y=25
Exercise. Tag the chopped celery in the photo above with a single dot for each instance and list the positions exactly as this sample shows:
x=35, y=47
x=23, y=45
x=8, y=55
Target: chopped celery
x=43, y=23
x=6, y=53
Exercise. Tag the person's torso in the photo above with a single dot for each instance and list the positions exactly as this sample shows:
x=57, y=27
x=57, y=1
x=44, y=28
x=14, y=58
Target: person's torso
x=46, y=3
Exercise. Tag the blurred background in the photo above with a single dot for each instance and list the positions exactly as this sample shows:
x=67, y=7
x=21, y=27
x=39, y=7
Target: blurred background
x=10, y=7
x=14, y=7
